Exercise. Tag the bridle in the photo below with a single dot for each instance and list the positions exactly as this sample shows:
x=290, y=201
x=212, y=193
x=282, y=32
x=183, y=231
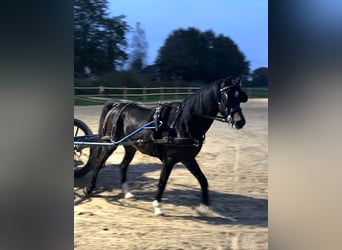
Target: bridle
x=225, y=111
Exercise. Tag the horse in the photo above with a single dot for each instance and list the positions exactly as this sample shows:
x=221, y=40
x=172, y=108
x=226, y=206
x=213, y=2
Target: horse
x=178, y=139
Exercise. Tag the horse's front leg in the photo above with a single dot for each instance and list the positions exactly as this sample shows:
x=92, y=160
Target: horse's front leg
x=164, y=176
x=195, y=170
x=129, y=154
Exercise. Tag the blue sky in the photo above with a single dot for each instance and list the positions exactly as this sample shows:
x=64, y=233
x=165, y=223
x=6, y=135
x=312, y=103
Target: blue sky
x=244, y=21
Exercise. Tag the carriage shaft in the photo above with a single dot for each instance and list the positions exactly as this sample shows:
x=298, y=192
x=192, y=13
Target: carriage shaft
x=117, y=143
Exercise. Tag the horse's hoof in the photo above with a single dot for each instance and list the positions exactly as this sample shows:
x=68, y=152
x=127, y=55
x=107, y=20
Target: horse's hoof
x=157, y=208
x=129, y=195
x=87, y=191
x=158, y=212
x=125, y=190
x=204, y=210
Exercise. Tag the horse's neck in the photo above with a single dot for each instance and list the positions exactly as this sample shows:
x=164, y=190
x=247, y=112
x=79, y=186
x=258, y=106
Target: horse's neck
x=200, y=116
x=207, y=106
x=203, y=126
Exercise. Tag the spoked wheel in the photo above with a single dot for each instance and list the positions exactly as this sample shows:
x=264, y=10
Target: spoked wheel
x=81, y=152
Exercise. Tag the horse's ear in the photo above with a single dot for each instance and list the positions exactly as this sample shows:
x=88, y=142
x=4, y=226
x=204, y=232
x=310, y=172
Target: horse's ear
x=225, y=82
x=222, y=83
x=240, y=82
x=237, y=81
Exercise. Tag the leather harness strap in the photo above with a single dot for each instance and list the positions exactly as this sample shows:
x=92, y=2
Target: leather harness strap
x=114, y=107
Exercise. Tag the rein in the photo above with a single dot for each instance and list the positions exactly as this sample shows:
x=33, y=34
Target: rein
x=216, y=118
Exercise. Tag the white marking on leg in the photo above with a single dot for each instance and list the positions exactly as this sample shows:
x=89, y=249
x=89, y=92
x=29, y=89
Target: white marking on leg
x=157, y=208
x=125, y=190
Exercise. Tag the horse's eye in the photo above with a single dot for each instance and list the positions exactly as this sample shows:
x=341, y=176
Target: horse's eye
x=236, y=94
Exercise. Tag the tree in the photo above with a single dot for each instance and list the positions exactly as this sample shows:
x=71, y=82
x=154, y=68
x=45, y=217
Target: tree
x=99, y=40
x=139, y=49
x=195, y=55
x=260, y=77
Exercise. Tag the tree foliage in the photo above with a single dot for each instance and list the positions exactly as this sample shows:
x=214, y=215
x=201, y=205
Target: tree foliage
x=260, y=77
x=99, y=40
x=194, y=55
x=139, y=49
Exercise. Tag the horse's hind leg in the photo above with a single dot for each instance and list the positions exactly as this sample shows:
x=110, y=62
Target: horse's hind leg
x=101, y=155
x=129, y=154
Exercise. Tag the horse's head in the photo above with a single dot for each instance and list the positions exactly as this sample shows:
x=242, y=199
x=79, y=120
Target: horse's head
x=231, y=95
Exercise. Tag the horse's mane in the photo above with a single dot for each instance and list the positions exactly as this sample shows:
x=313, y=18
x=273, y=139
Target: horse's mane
x=203, y=98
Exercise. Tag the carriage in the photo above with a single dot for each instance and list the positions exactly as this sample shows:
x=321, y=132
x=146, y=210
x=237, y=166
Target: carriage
x=173, y=132
x=84, y=138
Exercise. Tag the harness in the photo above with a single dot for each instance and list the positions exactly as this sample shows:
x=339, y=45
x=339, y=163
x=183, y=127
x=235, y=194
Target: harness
x=156, y=116
x=178, y=113
x=221, y=118
x=169, y=115
x=161, y=109
x=114, y=107
x=216, y=118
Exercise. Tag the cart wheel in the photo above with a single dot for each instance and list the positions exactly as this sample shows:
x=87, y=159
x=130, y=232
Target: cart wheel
x=81, y=152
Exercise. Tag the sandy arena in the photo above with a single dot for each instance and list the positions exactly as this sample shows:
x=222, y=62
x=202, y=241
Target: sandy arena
x=235, y=163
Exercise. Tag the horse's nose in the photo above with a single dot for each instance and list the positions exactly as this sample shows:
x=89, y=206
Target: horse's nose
x=239, y=124
x=239, y=120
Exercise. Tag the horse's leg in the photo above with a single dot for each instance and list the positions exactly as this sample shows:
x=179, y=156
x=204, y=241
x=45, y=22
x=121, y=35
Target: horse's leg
x=195, y=170
x=129, y=154
x=102, y=153
x=164, y=176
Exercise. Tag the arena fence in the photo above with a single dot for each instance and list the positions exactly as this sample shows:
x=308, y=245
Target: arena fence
x=100, y=94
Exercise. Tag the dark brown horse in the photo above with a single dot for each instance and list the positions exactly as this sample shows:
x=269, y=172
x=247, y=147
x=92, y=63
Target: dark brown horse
x=178, y=139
